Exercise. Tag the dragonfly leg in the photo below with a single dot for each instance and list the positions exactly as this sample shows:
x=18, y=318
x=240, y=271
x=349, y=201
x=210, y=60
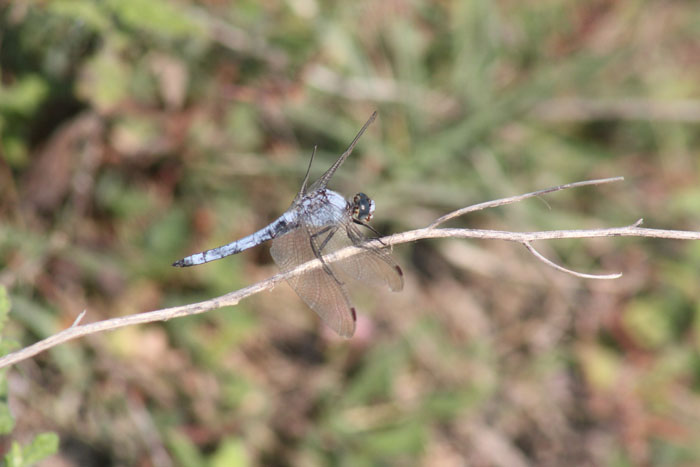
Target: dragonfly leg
x=328, y=237
x=317, y=250
x=365, y=224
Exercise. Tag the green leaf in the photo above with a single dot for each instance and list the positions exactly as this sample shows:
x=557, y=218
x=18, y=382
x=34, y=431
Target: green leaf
x=15, y=456
x=7, y=422
x=183, y=450
x=600, y=366
x=7, y=345
x=406, y=438
x=4, y=306
x=24, y=96
x=648, y=322
x=88, y=13
x=105, y=80
x=157, y=16
x=230, y=453
x=43, y=446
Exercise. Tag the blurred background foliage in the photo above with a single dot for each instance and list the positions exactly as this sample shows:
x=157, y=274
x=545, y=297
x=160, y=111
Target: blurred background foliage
x=135, y=132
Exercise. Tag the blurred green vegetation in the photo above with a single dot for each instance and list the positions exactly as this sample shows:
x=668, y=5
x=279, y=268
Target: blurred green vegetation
x=133, y=133
x=38, y=447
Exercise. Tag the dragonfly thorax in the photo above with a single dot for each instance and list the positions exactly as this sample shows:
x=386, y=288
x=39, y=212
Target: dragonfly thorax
x=362, y=207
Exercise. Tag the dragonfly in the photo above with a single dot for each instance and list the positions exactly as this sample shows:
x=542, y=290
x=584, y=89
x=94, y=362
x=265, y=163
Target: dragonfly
x=319, y=222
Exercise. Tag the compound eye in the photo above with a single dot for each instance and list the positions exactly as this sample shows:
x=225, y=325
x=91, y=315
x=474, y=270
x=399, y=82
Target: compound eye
x=363, y=207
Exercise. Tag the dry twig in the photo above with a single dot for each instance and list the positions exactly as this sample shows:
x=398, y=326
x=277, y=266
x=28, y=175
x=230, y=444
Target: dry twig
x=232, y=298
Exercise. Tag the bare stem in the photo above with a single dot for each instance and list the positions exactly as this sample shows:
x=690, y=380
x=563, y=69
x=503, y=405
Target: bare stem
x=232, y=298
x=549, y=262
x=518, y=198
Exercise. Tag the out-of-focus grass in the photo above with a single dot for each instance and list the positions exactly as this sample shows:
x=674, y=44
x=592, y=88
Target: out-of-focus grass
x=135, y=133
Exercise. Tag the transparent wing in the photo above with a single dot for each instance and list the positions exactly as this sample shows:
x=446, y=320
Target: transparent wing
x=321, y=291
x=374, y=266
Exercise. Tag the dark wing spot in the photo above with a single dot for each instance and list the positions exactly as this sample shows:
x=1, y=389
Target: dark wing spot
x=354, y=314
x=398, y=269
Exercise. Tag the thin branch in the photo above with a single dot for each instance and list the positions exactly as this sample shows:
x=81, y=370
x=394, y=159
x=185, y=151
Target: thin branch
x=551, y=263
x=515, y=199
x=78, y=319
x=233, y=298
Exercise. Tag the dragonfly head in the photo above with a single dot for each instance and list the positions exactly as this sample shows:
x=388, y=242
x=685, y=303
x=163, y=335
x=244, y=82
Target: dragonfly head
x=362, y=207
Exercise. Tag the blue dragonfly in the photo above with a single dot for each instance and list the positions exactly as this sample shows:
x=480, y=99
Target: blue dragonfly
x=319, y=222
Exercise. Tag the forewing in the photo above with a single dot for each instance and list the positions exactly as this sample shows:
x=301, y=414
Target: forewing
x=319, y=290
